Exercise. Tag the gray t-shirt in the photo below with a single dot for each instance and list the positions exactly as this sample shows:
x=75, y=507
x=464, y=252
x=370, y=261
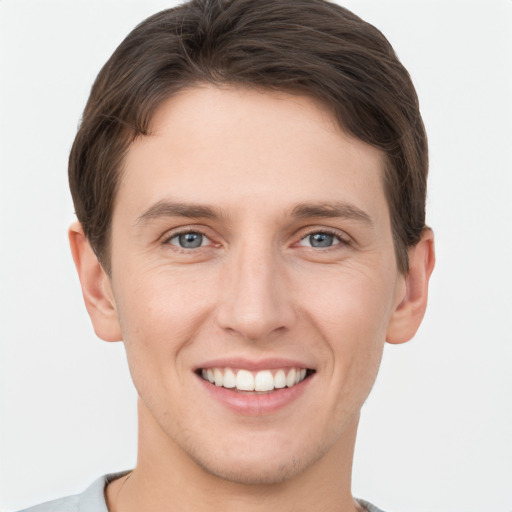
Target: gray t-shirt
x=93, y=499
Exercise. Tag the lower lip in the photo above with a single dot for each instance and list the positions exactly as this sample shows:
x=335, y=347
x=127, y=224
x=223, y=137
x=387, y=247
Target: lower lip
x=256, y=404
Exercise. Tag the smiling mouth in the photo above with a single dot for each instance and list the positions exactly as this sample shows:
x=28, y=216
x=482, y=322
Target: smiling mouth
x=263, y=381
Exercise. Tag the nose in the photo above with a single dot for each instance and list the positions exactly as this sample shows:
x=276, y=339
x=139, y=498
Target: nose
x=256, y=300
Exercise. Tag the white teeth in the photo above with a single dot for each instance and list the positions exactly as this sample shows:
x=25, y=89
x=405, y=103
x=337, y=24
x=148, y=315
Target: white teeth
x=245, y=380
x=290, y=378
x=280, y=379
x=229, y=379
x=217, y=375
x=264, y=381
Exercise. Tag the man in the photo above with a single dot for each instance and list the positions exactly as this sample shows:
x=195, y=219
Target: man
x=249, y=180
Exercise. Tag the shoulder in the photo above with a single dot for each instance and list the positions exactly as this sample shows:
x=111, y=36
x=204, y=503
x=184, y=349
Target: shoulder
x=91, y=500
x=368, y=507
x=67, y=504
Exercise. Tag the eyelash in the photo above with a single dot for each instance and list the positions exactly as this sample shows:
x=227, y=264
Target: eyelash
x=341, y=239
x=167, y=239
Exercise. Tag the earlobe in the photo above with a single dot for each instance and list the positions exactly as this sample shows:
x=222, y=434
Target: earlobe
x=96, y=287
x=407, y=316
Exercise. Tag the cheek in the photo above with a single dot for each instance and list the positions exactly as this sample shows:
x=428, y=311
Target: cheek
x=352, y=306
x=352, y=313
x=160, y=312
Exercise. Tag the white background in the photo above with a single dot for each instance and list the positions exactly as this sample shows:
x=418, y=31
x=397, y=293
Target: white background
x=436, y=434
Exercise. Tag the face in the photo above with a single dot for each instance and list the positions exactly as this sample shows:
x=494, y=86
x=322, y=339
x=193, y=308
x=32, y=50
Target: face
x=254, y=278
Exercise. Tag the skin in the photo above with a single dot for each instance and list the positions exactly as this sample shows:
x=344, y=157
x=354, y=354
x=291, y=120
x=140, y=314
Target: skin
x=255, y=289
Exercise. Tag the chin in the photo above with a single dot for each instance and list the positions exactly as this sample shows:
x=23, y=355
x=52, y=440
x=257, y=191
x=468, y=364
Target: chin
x=255, y=473
x=254, y=461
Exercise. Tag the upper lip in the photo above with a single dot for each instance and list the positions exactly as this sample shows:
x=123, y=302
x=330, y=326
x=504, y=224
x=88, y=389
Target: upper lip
x=254, y=364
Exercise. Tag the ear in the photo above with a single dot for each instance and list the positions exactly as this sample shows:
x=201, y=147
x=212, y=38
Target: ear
x=96, y=286
x=407, y=316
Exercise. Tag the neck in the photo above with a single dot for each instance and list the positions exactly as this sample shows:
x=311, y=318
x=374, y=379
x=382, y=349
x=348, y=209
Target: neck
x=166, y=479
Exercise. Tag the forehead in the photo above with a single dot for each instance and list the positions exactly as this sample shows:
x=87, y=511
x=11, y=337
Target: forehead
x=240, y=147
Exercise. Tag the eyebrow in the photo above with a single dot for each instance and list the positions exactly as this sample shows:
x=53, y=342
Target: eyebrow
x=337, y=209
x=174, y=209
x=331, y=210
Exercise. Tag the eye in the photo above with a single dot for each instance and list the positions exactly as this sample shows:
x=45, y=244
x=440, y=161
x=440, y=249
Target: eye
x=189, y=240
x=321, y=240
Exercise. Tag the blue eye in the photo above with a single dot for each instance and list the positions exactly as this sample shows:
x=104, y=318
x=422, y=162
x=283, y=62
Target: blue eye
x=191, y=240
x=320, y=240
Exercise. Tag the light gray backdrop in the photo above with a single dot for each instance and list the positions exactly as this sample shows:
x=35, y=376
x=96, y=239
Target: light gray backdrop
x=436, y=434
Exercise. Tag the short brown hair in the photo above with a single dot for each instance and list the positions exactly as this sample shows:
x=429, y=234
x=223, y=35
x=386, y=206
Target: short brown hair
x=311, y=47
